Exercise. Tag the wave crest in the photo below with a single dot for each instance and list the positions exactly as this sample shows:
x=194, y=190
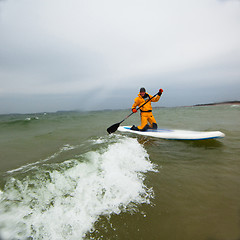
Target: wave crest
x=65, y=201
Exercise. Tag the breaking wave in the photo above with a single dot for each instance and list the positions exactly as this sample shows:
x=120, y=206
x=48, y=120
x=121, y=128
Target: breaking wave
x=64, y=200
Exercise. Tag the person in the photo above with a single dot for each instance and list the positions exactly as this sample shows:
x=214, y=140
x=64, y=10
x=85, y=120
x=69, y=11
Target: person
x=146, y=110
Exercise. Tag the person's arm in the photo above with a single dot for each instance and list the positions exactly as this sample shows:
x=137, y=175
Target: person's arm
x=135, y=104
x=155, y=99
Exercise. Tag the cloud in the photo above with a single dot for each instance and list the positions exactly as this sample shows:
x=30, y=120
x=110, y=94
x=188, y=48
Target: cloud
x=70, y=48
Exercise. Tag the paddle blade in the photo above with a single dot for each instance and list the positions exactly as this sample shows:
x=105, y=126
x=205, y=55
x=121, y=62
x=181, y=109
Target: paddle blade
x=113, y=128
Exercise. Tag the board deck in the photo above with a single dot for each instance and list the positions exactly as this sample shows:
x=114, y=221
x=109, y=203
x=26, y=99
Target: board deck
x=175, y=134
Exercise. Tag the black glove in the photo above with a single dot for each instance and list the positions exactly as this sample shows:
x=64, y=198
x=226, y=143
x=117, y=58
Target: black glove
x=160, y=92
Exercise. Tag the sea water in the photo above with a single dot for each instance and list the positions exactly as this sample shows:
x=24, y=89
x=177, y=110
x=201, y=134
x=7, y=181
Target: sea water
x=64, y=177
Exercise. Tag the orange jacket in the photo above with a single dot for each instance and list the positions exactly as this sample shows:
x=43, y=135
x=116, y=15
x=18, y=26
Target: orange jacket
x=138, y=101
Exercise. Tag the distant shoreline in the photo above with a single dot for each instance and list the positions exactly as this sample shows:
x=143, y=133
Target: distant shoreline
x=218, y=103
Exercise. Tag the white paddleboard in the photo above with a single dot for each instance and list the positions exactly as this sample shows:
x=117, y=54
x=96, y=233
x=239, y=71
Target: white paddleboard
x=175, y=134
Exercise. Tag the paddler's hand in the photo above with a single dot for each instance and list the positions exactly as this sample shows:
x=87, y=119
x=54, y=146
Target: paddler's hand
x=160, y=92
x=134, y=110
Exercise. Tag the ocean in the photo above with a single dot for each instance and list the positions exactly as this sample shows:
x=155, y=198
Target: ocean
x=63, y=177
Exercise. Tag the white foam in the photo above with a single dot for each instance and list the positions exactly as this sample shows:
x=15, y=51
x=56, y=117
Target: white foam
x=65, y=203
x=67, y=147
x=99, y=140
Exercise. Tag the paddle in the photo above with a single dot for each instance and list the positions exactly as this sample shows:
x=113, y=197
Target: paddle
x=115, y=126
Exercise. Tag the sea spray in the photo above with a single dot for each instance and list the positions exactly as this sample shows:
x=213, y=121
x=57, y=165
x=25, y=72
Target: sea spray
x=64, y=200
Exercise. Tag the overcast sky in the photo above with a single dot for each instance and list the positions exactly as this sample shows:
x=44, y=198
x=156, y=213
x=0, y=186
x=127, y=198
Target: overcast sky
x=96, y=54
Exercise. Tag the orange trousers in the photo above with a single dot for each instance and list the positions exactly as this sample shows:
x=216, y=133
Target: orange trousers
x=146, y=117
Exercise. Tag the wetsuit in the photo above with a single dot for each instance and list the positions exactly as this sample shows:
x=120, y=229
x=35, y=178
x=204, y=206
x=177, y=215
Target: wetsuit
x=146, y=111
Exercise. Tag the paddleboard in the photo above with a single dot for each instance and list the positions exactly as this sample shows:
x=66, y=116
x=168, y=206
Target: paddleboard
x=175, y=134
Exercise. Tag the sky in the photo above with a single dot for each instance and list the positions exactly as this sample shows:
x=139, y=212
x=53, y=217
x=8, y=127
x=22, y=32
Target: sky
x=92, y=55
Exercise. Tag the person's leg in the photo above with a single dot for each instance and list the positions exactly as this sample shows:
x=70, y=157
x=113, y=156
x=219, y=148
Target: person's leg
x=144, y=122
x=152, y=121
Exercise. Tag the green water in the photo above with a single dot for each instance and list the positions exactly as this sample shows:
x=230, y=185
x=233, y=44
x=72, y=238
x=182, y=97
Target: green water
x=184, y=189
